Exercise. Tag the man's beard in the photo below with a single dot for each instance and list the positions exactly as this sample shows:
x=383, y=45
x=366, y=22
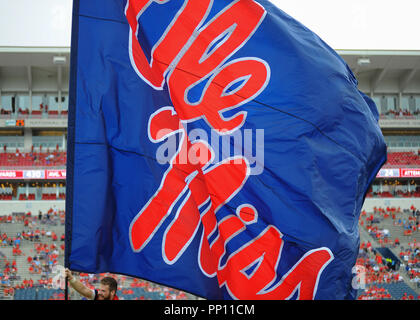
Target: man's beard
x=101, y=297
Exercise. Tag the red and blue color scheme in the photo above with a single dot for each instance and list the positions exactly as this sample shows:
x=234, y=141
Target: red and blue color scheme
x=273, y=217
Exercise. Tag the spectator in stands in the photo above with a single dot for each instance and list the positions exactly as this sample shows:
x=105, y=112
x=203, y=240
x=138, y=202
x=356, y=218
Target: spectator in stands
x=107, y=288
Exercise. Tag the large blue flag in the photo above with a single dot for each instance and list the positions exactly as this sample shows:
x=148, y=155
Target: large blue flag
x=215, y=146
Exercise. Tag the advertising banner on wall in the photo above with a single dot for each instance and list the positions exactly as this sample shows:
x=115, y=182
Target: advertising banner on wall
x=59, y=174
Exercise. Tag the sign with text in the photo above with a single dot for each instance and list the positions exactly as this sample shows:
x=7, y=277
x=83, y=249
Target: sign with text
x=32, y=174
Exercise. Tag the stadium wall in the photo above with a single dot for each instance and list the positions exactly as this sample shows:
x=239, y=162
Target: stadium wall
x=8, y=207
x=403, y=203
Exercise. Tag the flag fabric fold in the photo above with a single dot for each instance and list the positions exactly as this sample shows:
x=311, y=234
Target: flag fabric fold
x=218, y=147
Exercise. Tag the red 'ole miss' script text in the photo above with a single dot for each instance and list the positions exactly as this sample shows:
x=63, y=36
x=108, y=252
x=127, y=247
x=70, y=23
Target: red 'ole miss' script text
x=189, y=56
x=188, y=53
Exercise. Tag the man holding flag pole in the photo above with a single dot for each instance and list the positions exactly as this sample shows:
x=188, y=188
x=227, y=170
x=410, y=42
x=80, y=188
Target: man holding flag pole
x=107, y=289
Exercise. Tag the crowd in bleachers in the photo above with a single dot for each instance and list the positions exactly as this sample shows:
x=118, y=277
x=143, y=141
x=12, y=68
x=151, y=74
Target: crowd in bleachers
x=32, y=245
x=410, y=255
x=397, y=229
x=32, y=241
x=46, y=158
x=375, y=293
x=376, y=268
x=406, y=221
x=35, y=247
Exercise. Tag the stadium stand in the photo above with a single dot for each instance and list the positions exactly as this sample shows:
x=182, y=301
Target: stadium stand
x=31, y=191
x=402, y=159
x=33, y=159
x=31, y=243
x=32, y=246
x=390, y=253
x=35, y=106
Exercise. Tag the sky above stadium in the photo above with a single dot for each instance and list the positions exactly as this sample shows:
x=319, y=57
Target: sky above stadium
x=359, y=24
x=343, y=24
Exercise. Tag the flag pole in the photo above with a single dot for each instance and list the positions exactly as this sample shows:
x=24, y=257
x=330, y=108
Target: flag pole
x=66, y=289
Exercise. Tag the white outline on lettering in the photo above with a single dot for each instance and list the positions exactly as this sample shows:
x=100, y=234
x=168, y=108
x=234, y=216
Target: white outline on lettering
x=175, y=61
